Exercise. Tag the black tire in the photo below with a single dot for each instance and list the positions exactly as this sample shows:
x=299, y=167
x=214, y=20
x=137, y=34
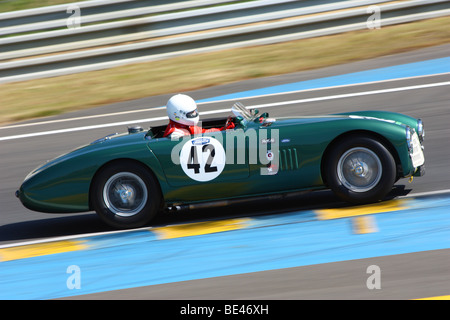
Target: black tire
x=360, y=170
x=125, y=195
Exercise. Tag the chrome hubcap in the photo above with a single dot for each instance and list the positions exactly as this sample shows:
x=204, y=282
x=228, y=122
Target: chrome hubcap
x=125, y=194
x=359, y=169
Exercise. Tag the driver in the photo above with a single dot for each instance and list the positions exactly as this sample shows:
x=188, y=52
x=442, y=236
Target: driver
x=183, y=115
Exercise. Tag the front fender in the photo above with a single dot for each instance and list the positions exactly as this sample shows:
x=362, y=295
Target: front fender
x=392, y=127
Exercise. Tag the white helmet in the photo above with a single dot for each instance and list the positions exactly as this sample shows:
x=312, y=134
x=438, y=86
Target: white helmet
x=182, y=109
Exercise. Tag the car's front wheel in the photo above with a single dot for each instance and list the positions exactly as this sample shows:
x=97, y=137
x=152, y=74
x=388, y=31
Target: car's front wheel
x=125, y=195
x=360, y=170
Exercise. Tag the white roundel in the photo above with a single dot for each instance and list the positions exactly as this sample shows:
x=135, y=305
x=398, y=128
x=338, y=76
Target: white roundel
x=203, y=158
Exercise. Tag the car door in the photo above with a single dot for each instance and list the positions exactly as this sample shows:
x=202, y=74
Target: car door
x=203, y=165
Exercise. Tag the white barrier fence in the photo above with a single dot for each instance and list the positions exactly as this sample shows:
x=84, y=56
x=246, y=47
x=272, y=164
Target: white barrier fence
x=98, y=41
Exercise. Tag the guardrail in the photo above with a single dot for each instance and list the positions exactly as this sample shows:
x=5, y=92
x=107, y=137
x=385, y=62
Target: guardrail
x=98, y=8
x=105, y=43
x=158, y=26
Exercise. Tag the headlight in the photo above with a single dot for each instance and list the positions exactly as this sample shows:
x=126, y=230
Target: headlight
x=409, y=134
x=420, y=130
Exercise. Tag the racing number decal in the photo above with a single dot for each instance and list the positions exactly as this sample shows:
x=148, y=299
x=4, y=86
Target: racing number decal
x=192, y=161
x=202, y=159
x=212, y=154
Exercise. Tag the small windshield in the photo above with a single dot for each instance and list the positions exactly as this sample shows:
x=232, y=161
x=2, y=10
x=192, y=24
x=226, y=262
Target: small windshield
x=238, y=109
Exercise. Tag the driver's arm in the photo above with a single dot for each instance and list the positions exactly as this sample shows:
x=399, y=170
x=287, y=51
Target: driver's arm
x=229, y=124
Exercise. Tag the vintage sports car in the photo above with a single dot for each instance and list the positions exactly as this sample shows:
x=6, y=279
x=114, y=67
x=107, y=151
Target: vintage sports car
x=128, y=178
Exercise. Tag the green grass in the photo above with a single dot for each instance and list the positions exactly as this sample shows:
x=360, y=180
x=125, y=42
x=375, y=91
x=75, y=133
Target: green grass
x=36, y=98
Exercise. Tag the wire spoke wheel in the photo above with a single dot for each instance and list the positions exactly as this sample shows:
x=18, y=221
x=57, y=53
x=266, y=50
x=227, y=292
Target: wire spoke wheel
x=359, y=169
x=125, y=194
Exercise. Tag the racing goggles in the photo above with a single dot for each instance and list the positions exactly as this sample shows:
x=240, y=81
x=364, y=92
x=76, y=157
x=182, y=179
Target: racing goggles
x=192, y=114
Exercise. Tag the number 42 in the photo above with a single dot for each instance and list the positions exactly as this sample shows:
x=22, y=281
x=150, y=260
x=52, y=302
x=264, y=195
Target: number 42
x=193, y=159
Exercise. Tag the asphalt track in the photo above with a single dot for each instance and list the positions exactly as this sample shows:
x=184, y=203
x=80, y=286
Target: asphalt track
x=411, y=275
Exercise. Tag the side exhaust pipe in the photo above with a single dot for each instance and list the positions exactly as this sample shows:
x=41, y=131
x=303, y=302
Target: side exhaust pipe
x=176, y=208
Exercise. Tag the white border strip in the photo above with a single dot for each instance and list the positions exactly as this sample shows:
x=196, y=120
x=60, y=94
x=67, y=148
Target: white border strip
x=81, y=118
x=427, y=193
x=217, y=101
x=76, y=236
x=276, y=104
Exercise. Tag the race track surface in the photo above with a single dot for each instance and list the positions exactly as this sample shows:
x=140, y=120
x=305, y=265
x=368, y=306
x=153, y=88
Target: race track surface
x=415, y=83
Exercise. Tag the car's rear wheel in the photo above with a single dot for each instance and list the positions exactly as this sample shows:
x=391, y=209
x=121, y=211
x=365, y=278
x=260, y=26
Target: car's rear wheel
x=125, y=195
x=360, y=170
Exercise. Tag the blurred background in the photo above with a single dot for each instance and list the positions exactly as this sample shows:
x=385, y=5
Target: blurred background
x=145, y=48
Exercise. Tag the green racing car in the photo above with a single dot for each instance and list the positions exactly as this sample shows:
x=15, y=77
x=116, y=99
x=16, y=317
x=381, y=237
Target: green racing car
x=128, y=178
